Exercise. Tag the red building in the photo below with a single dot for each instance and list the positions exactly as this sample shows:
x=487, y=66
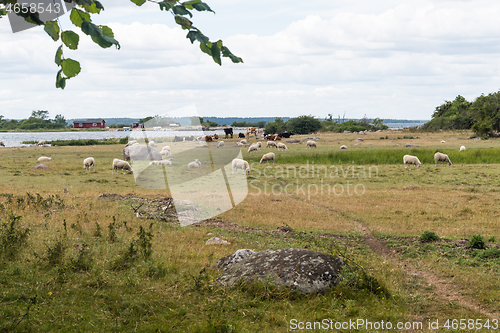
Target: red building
x=89, y=123
x=137, y=125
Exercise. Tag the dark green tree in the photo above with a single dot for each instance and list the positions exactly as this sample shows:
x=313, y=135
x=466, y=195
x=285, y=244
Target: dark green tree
x=303, y=125
x=59, y=119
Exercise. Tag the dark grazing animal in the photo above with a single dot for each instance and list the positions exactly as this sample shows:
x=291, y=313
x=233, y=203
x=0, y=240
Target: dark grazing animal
x=228, y=131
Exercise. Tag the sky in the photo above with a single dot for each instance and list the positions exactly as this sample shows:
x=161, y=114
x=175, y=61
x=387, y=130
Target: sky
x=387, y=59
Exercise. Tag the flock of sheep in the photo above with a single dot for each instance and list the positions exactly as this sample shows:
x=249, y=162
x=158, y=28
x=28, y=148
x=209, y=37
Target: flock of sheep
x=237, y=163
x=438, y=157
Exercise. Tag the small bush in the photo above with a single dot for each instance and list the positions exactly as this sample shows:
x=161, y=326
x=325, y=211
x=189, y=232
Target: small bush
x=12, y=238
x=83, y=261
x=55, y=253
x=428, y=236
x=477, y=242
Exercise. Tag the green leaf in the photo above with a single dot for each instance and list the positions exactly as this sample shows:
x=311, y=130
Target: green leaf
x=52, y=28
x=179, y=10
x=189, y=4
x=34, y=18
x=3, y=11
x=107, y=31
x=77, y=17
x=215, y=49
x=58, y=58
x=84, y=2
x=98, y=5
x=184, y=22
x=92, y=9
x=70, y=39
x=202, y=7
x=70, y=67
x=90, y=29
x=138, y=2
x=167, y=4
x=197, y=35
x=206, y=48
x=60, y=81
x=227, y=53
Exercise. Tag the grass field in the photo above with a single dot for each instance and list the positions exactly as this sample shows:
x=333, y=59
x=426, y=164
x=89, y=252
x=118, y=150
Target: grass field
x=78, y=260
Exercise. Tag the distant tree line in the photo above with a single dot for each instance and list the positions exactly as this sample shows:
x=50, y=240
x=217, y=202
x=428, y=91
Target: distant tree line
x=38, y=120
x=482, y=115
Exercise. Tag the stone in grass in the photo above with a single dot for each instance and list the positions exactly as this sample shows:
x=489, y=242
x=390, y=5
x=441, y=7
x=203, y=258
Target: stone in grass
x=216, y=241
x=41, y=166
x=302, y=270
x=233, y=258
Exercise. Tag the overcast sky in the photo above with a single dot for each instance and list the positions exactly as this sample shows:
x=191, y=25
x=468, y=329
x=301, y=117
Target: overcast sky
x=388, y=59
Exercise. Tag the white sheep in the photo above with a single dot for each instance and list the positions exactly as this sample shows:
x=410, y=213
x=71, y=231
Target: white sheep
x=165, y=151
x=271, y=144
x=195, y=164
x=41, y=143
x=311, y=144
x=280, y=145
x=462, y=148
x=442, y=141
x=244, y=141
x=152, y=143
x=259, y=144
x=88, y=162
x=238, y=163
x=121, y=164
x=268, y=157
x=131, y=142
x=220, y=144
x=44, y=159
x=408, y=159
x=162, y=162
x=253, y=147
x=439, y=157
x=343, y=147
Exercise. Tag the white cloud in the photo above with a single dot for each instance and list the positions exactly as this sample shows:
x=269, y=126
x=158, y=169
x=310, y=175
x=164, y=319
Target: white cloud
x=396, y=59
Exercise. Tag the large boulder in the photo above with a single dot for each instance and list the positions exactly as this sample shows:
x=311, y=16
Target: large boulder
x=302, y=270
x=41, y=166
x=141, y=152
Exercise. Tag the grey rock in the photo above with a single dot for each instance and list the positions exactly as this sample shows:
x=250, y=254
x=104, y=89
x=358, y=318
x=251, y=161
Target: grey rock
x=141, y=152
x=233, y=258
x=217, y=241
x=358, y=139
x=41, y=166
x=409, y=145
x=292, y=141
x=302, y=270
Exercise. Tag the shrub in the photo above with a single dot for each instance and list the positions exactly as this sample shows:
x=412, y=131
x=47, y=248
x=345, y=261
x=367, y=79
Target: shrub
x=12, y=238
x=477, y=242
x=428, y=236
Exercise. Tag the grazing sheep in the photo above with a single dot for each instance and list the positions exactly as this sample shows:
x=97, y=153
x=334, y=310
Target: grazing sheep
x=152, y=143
x=220, y=144
x=195, y=164
x=253, y=147
x=44, y=159
x=120, y=164
x=408, y=159
x=268, y=157
x=462, y=148
x=165, y=151
x=439, y=157
x=244, y=141
x=162, y=162
x=280, y=145
x=238, y=163
x=311, y=144
x=343, y=147
x=259, y=144
x=131, y=142
x=88, y=162
x=271, y=144
x=41, y=143
x=2, y=144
